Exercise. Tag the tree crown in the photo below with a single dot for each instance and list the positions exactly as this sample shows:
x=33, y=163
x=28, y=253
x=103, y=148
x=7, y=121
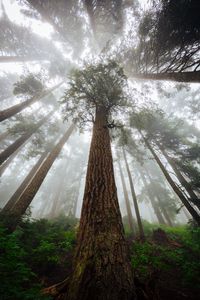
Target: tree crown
x=93, y=87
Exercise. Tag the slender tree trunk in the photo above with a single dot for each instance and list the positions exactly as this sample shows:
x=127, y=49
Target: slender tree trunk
x=6, y=163
x=11, y=202
x=102, y=269
x=21, y=140
x=137, y=212
x=161, y=208
x=76, y=198
x=183, y=199
x=128, y=207
x=176, y=76
x=181, y=178
x=55, y=206
x=4, y=135
x=30, y=191
x=13, y=110
x=154, y=203
x=165, y=213
x=10, y=59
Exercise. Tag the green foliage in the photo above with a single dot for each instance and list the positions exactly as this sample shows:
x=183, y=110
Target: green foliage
x=149, y=258
x=29, y=85
x=33, y=251
x=17, y=279
x=95, y=86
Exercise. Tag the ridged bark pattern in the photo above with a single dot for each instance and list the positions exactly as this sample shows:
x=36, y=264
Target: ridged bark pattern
x=102, y=269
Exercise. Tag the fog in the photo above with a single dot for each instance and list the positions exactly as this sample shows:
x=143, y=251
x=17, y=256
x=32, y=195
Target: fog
x=47, y=43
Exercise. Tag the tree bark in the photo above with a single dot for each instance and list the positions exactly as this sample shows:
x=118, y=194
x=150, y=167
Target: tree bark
x=176, y=76
x=183, y=199
x=137, y=212
x=193, y=197
x=30, y=191
x=128, y=207
x=11, y=202
x=13, y=110
x=102, y=269
x=4, y=155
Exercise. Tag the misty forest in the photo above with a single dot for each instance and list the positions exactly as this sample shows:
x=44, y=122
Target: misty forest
x=99, y=149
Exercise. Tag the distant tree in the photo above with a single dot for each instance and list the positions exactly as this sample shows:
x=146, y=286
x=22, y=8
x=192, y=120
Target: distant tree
x=126, y=198
x=168, y=47
x=13, y=110
x=19, y=43
x=29, y=85
x=31, y=189
x=65, y=17
x=23, y=138
x=6, y=82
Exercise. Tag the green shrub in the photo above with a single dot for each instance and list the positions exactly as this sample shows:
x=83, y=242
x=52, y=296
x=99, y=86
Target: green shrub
x=29, y=253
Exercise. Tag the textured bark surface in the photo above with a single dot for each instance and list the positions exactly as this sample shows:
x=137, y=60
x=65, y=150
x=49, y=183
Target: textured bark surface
x=23, y=185
x=102, y=269
x=178, y=192
x=13, y=110
x=176, y=76
x=127, y=202
x=28, y=194
x=21, y=140
x=137, y=212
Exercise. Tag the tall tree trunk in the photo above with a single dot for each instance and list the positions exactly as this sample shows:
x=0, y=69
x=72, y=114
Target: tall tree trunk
x=6, y=163
x=183, y=199
x=4, y=155
x=128, y=207
x=176, y=76
x=4, y=135
x=161, y=208
x=154, y=203
x=10, y=59
x=76, y=197
x=13, y=110
x=165, y=213
x=181, y=178
x=54, y=209
x=137, y=212
x=11, y=202
x=30, y=191
x=102, y=268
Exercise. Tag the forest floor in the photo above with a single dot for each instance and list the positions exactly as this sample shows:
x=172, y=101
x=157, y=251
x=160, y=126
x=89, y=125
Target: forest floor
x=39, y=254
